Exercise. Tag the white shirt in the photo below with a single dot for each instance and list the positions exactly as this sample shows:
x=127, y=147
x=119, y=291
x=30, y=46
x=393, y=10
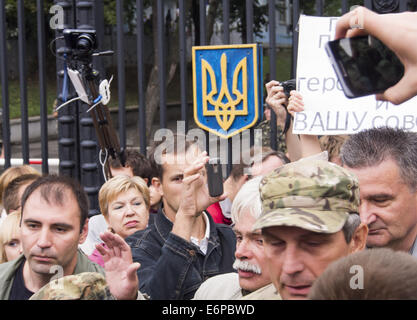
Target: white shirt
x=203, y=244
x=96, y=225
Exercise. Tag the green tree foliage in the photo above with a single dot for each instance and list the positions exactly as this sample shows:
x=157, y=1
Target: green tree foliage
x=238, y=16
x=30, y=17
x=332, y=8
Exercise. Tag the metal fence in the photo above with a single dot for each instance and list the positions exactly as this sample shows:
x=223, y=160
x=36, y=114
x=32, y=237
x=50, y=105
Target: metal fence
x=78, y=147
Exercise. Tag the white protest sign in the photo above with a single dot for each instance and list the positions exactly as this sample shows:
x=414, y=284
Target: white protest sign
x=327, y=111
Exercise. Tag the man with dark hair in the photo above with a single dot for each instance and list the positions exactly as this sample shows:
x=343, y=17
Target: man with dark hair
x=375, y=274
x=309, y=219
x=183, y=247
x=53, y=223
x=385, y=162
x=13, y=193
x=136, y=165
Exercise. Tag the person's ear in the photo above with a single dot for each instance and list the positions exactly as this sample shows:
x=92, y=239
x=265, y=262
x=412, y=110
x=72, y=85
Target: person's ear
x=156, y=183
x=359, y=237
x=84, y=232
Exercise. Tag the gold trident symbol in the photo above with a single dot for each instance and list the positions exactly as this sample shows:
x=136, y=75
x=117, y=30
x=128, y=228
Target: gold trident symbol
x=225, y=112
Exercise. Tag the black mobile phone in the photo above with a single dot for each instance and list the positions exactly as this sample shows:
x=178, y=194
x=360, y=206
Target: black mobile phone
x=364, y=65
x=214, y=177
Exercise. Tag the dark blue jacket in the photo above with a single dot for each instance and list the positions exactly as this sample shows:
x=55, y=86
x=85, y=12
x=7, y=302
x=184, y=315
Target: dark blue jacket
x=173, y=268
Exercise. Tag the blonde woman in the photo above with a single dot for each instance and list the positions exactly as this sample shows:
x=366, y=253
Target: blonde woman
x=7, y=176
x=10, y=244
x=124, y=202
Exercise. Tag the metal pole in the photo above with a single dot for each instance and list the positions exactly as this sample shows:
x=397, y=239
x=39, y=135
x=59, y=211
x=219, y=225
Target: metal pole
x=226, y=18
x=161, y=64
x=226, y=40
x=42, y=86
x=249, y=21
x=91, y=176
x=295, y=17
x=68, y=135
x=121, y=73
x=183, y=64
x=345, y=7
x=202, y=7
x=272, y=68
x=202, y=15
x=4, y=85
x=249, y=39
x=319, y=7
x=22, y=80
x=141, y=76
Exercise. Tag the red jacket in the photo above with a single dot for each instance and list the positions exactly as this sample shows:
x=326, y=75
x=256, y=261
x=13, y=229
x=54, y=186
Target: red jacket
x=217, y=214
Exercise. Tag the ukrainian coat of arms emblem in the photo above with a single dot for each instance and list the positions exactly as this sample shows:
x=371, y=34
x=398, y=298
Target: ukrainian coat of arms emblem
x=227, y=85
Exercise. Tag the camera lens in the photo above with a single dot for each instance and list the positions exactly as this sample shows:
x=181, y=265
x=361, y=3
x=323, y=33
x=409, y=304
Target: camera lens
x=85, y=43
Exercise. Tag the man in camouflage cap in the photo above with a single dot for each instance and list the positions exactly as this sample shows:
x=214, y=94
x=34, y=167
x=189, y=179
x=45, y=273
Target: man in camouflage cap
x=309, y=219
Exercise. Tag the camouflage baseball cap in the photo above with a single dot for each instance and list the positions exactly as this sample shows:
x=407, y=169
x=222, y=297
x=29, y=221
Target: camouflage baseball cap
x=315, y=195
x=82, y=286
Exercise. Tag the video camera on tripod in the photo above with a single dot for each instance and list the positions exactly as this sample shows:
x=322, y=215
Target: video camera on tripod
x=80, y=49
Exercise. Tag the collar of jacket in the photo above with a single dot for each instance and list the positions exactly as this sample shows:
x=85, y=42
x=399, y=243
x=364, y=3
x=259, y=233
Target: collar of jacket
x=164, y=226
x=8, y=271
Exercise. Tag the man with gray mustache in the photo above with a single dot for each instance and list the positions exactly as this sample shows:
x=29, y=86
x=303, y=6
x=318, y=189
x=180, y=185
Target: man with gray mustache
x=250, y=264
x=244, y=266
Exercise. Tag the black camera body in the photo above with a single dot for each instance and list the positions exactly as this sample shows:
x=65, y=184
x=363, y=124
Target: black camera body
x=288, y=86
x=82, y=43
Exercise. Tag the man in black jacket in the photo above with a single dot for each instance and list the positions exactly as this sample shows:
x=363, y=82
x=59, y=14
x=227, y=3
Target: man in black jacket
x=184, y=246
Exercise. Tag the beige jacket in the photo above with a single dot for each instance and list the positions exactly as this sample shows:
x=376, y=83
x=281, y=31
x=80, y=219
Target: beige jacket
x=265, y=293
x=221, y=287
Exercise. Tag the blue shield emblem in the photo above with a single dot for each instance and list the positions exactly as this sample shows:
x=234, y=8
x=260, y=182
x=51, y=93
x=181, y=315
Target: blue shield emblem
x=227, y=88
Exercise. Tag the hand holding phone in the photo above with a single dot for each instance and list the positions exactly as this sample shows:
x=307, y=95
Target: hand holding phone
x=364, y=65
x=214, y=177
x=399, y=32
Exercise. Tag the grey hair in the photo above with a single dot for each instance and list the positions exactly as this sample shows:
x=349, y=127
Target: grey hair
x=350, y=226
x=371, y=147
x=248, y=198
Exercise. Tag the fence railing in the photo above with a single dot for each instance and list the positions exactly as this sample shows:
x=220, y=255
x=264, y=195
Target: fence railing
x=78, y=147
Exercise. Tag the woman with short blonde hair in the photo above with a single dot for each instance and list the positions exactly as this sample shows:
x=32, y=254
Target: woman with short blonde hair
x=120, y=184
x=124, y=202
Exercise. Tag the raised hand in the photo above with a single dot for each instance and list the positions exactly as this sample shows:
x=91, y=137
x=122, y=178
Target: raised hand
x=277, y=100
x=195, y=197
x=120, y=270
x=295, y=103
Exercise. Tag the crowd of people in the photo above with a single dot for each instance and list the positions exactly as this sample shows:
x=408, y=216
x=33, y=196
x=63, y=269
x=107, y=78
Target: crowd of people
x=290, y=225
